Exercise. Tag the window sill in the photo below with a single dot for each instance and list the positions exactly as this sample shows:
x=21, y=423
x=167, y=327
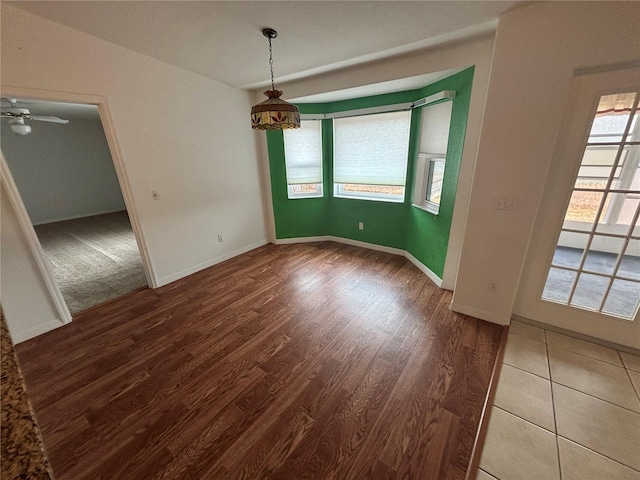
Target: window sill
x=302, y=197
x=373, y=199
x=427, y=208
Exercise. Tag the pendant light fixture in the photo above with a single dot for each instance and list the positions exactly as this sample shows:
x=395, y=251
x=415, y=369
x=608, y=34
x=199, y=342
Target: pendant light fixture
x=274, y=113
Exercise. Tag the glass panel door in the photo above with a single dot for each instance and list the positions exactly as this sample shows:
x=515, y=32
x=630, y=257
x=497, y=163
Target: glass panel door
x=594, y=261
x=582, y=271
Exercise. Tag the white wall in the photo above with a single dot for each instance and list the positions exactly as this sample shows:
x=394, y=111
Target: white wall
x=63, y=171
x=455, y=56
x=179, y=133
x=537, y=49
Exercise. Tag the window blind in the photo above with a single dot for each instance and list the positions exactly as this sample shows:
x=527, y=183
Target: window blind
x=303, y=153
x=435, y=128
x=372, y=149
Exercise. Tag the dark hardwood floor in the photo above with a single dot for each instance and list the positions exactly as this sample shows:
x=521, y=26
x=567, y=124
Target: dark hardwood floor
x=309, y=361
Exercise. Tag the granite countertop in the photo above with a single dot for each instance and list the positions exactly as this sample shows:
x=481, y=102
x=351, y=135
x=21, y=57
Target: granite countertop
x=23, y=455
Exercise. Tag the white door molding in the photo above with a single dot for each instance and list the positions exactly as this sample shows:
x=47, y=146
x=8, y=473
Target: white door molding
x=114, y=147
x=32, y=239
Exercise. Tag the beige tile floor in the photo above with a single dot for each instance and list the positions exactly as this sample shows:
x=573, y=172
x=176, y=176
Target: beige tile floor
x=564, y=409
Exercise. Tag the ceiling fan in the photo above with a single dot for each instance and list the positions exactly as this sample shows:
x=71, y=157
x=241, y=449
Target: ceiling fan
x=17, y=117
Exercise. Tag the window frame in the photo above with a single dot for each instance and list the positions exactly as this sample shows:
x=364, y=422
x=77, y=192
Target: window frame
x=592, y=230
x=291, y=194
x=338, y=188
x=376, y=197
x=424, y=181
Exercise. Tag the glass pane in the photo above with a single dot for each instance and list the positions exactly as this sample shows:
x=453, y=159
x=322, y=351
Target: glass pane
x=630, y=264
x=305, y=190
x=590, y=291
x=371, y=149
x=628, y=210
x=434, y=130
x=635, y=179
x=569, y=251
x=596, y=167
x=603, y=254
x=582, y=210
x=436, y=174
x=634, y=131
x=303, y=153
x=623, y=299
x=625, y=174
x=611, y=118
x=559, y=284
x=606, y=222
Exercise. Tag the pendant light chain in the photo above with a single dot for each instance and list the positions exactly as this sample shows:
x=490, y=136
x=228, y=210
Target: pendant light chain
x=271, y=64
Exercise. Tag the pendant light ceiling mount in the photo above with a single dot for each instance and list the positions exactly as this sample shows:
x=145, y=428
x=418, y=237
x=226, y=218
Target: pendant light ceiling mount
x=274, y=113
x=270, y=33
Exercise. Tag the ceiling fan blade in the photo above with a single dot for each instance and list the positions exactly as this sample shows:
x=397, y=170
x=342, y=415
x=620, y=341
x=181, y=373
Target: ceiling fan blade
x=43, y=118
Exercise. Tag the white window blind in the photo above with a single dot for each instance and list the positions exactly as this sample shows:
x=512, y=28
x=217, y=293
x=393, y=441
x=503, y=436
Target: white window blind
x=435, y=128
x=303, y=153
x=372, y=149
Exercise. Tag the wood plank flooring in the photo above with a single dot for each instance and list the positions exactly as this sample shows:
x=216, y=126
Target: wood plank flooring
x=309, y=361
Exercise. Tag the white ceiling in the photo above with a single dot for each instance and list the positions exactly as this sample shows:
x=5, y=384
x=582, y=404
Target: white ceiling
x=223, y=41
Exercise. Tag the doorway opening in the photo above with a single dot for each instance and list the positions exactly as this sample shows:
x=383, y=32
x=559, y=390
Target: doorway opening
x=65, y=176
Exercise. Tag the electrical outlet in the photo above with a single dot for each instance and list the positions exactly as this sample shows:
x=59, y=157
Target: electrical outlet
x=360, y=225
x=506, y=203
x=220, y=239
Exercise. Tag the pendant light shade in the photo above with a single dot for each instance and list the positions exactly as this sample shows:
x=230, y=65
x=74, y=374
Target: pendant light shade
x=274, y=113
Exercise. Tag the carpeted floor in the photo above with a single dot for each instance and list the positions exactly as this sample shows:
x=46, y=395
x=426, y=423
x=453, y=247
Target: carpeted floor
x=94, y=259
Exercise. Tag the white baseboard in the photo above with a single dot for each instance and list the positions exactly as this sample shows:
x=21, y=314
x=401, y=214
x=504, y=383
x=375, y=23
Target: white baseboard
x=82, y=215
x=424, y=269
x=289, y=241
x=371, y=246
x=346, y=241
x=481, y=314
x=209, y=263
x=580, y=336
x=23, y=336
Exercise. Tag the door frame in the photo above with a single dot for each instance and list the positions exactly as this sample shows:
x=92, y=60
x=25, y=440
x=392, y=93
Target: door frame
x=549, y=219
x=108, y=126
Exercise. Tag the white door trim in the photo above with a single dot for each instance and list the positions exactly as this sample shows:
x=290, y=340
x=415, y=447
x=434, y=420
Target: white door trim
x=114, y=147
x=32, y=239
x=585, y=91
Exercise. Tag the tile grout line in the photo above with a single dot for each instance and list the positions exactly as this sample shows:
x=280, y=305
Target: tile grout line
x=621, y=365
x=489, y=473
x=551, y=382
x=597, y=453
x=588, y=356
x=597, y=398
x=633, y=385
x=553, y=405
x=575, y=389
x=557, y=437
x=523, y=419
x=526, y=371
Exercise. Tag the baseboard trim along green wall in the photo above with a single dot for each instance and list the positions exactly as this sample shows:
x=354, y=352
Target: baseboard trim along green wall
x=398, y=226
x=371, y=246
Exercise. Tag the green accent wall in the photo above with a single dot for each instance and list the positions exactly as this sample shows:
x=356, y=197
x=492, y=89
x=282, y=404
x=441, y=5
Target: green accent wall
x=398, y=225
x=428, y=234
